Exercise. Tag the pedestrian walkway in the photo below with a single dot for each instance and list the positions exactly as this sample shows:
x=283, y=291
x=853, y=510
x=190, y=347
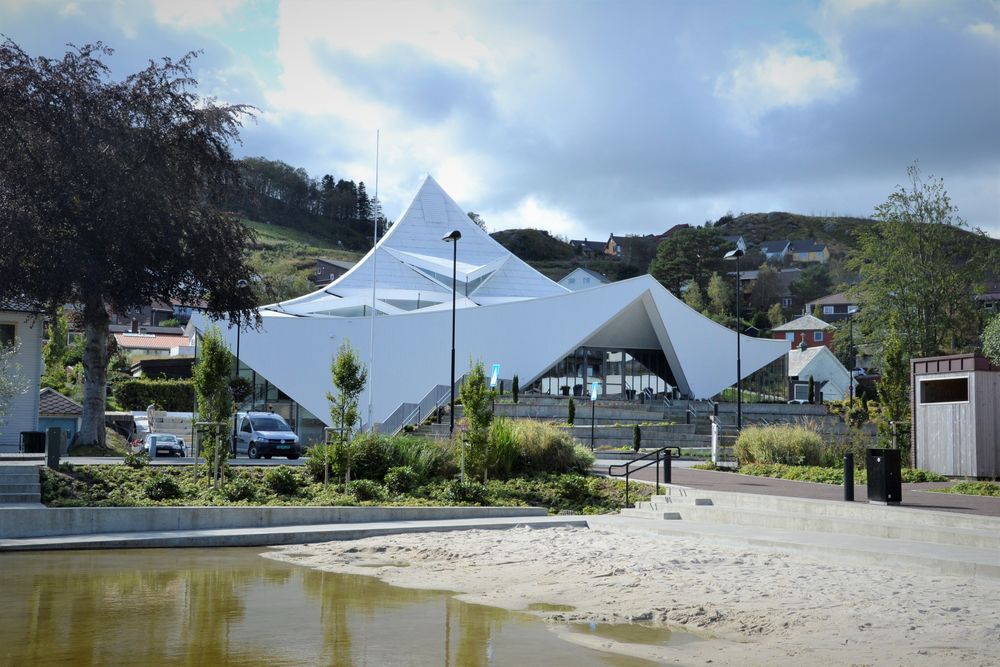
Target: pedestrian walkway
x=914, y=495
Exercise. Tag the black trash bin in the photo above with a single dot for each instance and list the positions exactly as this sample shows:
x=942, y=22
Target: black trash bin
x=885, y=484
x=33, y=442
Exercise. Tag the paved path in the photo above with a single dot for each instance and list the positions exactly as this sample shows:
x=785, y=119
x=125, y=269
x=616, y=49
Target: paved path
x=914, y=495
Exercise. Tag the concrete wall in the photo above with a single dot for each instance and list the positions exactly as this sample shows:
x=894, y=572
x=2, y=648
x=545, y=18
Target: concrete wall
x=45, y=522
x=22, y=412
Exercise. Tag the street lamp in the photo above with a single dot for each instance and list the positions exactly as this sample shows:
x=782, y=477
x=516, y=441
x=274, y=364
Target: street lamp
x=453, y=238
x=731, y=255
x=242, y=285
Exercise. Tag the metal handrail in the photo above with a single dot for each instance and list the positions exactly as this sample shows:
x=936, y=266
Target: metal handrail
x=656, y=453
x=410, y=413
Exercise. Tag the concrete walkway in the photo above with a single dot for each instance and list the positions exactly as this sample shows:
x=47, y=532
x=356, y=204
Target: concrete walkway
x=914, y=495
x=274, y=535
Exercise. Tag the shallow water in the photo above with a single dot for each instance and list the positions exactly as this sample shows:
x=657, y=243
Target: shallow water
x=233, y=607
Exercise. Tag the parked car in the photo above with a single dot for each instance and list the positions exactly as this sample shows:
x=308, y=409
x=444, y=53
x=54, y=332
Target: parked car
x=157, y=443
x=265, y=434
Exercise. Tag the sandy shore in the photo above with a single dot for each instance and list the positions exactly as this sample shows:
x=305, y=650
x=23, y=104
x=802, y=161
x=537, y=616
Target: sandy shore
x=752, y=606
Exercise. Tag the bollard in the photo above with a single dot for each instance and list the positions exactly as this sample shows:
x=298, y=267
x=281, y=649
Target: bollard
x=55, y=442
x=849, y=477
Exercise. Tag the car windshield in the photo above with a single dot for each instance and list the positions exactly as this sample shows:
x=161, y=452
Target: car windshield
x=163, y=439
x=269, y=424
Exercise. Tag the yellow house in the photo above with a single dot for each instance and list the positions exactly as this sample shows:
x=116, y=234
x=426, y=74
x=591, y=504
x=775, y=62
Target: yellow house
x=809, y=251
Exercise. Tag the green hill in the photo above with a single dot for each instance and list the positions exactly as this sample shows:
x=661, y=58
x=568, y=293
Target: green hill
x=286, y=257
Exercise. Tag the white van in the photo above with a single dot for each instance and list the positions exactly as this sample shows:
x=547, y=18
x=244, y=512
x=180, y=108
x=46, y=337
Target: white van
x=265, y=434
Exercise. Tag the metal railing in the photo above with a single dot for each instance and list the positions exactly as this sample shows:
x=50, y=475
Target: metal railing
x=663, y=453
x=411, y=413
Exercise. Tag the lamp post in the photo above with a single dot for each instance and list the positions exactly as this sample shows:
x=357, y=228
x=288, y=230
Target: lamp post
x=850, y=353
x=453, y=238
x=735, y=255
x=241, y=284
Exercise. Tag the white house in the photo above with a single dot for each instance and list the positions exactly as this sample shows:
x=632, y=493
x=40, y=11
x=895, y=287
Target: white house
x=830, y=378
x=581, y=278
x=18, y=322
x=618, y=335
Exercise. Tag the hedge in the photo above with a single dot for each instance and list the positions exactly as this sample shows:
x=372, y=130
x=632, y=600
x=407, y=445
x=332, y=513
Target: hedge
x=139, y=393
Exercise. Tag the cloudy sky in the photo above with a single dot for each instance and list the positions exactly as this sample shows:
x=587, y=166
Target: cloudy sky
x=586, y=117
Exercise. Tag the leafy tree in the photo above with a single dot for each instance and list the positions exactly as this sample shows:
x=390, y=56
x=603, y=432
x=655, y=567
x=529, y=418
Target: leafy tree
x=720, y=296
x=690, y=254
x=812, y=283
x=213, y=397
x=767, y=288
x=98, y=175
x=349, y=379
x=694, y=297
x=12, y=382
x=991, y=340
x=775, y=316
x=894, y=384
x=54, y=353
x=477, y=405
x=478, y=219
x=918, y=267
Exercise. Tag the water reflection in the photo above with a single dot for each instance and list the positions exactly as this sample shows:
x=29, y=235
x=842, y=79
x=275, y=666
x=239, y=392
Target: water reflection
x=232, y=607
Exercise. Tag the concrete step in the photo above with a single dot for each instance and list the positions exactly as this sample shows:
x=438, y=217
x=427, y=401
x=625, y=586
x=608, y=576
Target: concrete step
x=11, y=498
x=662, y=502
x=648, y=514
x=20, y=488
x=19, y=478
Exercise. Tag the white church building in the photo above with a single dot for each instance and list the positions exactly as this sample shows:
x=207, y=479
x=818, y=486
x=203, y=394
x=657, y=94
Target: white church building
x=630, y=337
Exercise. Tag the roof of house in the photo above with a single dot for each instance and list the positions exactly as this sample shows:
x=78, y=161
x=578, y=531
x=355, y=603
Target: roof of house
x=598, y=246
x=51, y=402
x=337, y=262
x=600, y=277
x=804, y=323
x=21, y=305
x=146, y=341
x=773, y=246
x=675, y=228
x=806, y=246
x=840, y=298
x=799, y=360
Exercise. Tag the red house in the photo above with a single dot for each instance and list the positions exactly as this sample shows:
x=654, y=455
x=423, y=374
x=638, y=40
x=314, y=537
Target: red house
x=812, y=330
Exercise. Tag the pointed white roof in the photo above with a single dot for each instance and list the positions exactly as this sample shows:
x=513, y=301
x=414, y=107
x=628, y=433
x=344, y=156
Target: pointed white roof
x=412, y=266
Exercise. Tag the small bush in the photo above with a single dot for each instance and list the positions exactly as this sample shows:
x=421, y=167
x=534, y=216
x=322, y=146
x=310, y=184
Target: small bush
x=974, y=489
x=467, y=492
x=502, y=448
x=544, y=448
x=401, y=479
x=314, y=461
x=282, y=480
x=366, y=489
x=239, y=489
x=162, y=487
x=372, y=454
x=786, y=444
x=636, y=438
x=429, y=458
x=571, y=412
x=136, y=460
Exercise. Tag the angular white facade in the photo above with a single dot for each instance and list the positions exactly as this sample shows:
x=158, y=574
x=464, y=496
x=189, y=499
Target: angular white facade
x=508, y=313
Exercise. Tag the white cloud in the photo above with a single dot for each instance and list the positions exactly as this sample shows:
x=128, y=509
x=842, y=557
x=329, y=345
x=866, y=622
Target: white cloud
x=782, y=77
x=534, y=214
x=984, y=29
x=185, y=14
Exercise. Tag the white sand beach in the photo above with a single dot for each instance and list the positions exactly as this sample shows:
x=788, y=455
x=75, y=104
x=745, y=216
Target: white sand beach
x=752, y=606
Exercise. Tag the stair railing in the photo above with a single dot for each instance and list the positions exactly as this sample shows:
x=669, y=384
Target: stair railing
x=652, y=458
x=411, y=413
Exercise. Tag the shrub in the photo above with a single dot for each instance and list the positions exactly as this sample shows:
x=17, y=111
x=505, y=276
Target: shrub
x=315, y=459
x=366, y=489
x=514, y=388
x=791, y=445
x=428, y=458
x=372, y=454
x=171, y=395
x=162, y=487
x=854, y=442
x=239, y=489
x=502, y=448
x=401, y=479
x=974, y=488
x=544, y=448
x=636, y=438
x=469, y=492
x=139, y=459
x=571, y=412
x=282, y=480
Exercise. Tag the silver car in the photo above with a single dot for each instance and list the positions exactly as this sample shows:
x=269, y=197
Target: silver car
x=265, y=434
x=163, y=443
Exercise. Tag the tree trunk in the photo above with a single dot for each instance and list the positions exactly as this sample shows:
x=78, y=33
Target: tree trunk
x=95, y=371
